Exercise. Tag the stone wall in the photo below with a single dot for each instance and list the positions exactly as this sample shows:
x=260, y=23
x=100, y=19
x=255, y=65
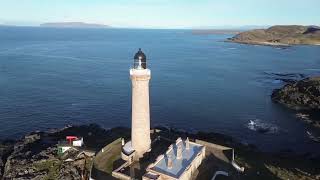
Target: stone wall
x=212, y=145
x=120, y=176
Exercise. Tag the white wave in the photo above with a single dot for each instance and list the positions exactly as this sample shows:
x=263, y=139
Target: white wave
x=313, y=69
x=313, y=137
x=277, y=81
x=262, y=127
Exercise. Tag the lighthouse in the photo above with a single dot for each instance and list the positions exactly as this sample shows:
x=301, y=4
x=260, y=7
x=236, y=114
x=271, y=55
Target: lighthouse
x=140, y=117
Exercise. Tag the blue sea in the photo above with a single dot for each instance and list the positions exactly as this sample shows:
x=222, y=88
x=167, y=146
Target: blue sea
x=53, y=77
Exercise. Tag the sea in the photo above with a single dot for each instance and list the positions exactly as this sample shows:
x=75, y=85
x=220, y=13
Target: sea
x=51, y=77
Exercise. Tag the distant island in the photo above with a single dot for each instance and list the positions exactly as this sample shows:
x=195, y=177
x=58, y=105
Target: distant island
x=214, y=31
x=74, y=25
x=280, y=36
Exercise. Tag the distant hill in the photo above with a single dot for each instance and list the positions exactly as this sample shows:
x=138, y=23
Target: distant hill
x=74, y=25
x=214, y=31
x=280, y=35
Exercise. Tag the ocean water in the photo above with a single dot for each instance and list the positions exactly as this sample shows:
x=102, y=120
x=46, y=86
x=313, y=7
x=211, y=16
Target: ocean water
x=53, y=77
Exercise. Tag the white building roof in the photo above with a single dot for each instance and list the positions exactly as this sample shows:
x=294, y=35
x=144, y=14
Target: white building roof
x=127, y=148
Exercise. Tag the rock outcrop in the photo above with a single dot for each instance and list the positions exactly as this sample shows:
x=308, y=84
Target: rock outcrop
x=301, y=95
x=36, y=156
x=6, y=147
x=280, y=36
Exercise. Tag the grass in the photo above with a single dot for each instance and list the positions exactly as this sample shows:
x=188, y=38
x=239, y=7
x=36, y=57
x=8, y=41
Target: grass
x=104, y=160
x=109, y=165
x=52, y=168
x=270, y=166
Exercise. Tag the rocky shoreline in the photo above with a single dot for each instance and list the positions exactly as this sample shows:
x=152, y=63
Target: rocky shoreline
x=35, y=155
x=302, y=96
x=6, y=148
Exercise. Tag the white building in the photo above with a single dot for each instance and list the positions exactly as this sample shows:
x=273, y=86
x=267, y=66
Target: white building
x=182, y=158
x=140, y=128
x=78, y=142
x=179, y=162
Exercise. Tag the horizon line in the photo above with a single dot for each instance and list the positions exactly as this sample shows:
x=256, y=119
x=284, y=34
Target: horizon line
x=208, y=27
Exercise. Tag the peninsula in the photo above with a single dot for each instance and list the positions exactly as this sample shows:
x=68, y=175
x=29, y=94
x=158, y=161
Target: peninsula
x=74, y=25
x=215, y=31
x=280, y=36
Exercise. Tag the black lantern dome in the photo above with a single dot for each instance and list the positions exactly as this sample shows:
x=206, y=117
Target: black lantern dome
x=140, y=60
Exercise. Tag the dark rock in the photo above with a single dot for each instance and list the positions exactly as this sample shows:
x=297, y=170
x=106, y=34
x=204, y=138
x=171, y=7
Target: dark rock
x=1, y=165
x=286, y=80
x=69, y=171
x=35, y=156
x=6, y=147
x=300, y=95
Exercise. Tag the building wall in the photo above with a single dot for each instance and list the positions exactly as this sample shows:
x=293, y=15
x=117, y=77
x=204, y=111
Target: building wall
x=78, y=143
x=187, y=175
x=65, y=148
x=221, y=152
x=128, y=158
x=212, y=145
x=120, y=176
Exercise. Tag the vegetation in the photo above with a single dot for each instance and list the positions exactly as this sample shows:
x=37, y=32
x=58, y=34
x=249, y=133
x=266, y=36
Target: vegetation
x=267, y=166
x=104, y=160
x=258, y=165
x=280, y=35
x=51, y=167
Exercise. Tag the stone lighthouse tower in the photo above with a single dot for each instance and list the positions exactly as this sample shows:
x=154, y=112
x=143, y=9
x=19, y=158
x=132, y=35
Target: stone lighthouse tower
x=140, y=132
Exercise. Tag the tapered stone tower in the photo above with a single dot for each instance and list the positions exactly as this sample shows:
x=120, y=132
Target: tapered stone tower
x=140, y=132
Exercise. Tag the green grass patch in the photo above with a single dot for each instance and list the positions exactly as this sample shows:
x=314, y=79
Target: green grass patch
x=269, y=166
x=52, y=167
x=104, y=160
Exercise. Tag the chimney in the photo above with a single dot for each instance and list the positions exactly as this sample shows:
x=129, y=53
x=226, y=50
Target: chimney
x=187, y=143
x=169, y=162
x=179, y=151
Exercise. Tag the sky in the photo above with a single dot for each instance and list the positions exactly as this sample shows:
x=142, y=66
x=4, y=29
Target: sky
x=162, y=13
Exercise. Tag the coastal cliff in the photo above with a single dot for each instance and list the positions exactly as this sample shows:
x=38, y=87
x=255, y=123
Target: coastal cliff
x=280, y=36
x=35, y=155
